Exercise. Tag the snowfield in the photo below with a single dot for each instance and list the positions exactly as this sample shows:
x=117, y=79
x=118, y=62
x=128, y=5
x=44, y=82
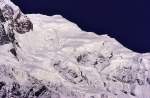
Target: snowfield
x=59, y=60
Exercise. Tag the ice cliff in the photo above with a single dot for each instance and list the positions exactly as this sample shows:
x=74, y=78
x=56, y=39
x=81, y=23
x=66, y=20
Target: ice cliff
x=59, y=60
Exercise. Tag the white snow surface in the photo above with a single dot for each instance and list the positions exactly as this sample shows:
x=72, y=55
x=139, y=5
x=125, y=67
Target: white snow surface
x=80, y=64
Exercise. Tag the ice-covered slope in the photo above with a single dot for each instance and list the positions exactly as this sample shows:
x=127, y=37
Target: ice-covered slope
x=59, y=60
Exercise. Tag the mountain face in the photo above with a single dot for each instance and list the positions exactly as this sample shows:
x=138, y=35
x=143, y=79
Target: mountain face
x=59, y=60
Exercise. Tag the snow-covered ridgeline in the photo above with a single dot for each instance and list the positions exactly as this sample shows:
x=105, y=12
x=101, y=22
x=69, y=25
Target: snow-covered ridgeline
x=59, y=60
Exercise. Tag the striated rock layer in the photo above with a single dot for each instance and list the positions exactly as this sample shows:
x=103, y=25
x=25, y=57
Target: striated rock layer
x=59, y=60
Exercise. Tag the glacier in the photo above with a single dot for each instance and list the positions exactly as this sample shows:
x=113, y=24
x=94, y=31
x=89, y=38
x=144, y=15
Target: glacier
x=59, y=60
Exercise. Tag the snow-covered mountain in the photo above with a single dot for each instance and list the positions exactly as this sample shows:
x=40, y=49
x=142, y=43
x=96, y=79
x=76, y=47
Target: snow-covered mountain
x=59, y=60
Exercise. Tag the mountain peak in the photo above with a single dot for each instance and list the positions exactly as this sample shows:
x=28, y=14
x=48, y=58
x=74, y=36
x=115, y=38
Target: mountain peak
x=56, y=59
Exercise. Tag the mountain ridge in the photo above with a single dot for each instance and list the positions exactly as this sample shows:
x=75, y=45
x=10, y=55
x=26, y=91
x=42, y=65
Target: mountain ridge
x=59, y=60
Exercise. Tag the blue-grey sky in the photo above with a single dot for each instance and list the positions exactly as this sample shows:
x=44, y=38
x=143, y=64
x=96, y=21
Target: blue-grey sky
x=126, y=20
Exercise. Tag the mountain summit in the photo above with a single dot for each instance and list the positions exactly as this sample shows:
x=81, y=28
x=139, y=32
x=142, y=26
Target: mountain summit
x=53, y=58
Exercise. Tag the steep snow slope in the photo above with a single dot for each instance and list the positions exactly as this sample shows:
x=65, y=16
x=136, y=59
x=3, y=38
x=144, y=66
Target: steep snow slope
x=59, y=60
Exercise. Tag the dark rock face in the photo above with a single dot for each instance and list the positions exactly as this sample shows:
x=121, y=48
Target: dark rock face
x=17, y=91
x=148, y=80
x=23, y=26
x=4, y=39
x=7, y=12
x=12, y=21
x=2, y=19
x=2, y=84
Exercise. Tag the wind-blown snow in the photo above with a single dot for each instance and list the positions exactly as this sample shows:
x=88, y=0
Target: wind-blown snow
x=59, y=60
